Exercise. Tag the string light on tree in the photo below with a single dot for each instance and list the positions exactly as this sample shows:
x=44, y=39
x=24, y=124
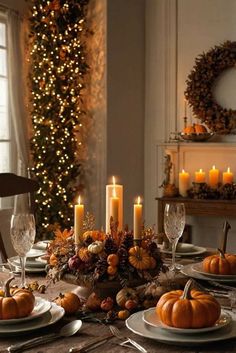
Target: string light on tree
x=57, y=71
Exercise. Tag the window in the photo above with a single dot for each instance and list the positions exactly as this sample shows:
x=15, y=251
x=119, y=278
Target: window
x=5, y=139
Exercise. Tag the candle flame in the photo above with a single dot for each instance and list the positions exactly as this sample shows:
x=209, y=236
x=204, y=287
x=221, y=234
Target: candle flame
x=114, y=192
x=228, y=170
x=114, y=180
x=200, y=170
x=213, y=167
x=183, y=171
x=79, y=200
x=138, y=200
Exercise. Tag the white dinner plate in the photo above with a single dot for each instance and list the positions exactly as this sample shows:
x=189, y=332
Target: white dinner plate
x=195, y=250
x=188, y=271
x=41, y=306
x=138, y=326
x=198, y=268
x=151, y=318
x=50, y=317
x=41, y=245
x=33, y=253
x=17, y=268
x=15, y=260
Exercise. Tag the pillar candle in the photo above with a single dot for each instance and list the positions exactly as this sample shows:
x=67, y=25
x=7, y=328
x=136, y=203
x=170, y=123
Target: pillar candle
x=78, y=221
x=213, y=177
x=200, y=176
x=138, y=222
x=228, y=177
x=114, y=206
x=119, y=194
x=184, y=183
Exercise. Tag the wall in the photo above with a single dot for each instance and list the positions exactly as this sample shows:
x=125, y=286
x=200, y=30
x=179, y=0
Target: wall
x=177, y=31
x=125, y=98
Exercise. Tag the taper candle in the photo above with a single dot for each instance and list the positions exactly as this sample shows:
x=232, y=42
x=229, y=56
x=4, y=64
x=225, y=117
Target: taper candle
x=114, y=206
x=184, y=183
x=228, y=177
x=119, y=194
x=138, y=222
x=78, y=221
x=213, y=177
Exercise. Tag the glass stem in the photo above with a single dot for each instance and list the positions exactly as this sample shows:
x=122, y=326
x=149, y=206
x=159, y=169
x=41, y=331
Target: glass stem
x=22, y=262
x=174, y=244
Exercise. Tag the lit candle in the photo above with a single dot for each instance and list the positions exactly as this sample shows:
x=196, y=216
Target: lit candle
x=200, y=176
x=138, y=222
x=119, y=194
x=78, y=221
x=228, y=177
x=184, y=183
x=114, y=206
x=213, y=177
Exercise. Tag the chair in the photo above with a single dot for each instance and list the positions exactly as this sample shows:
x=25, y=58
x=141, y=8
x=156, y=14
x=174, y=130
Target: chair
x=10, y=185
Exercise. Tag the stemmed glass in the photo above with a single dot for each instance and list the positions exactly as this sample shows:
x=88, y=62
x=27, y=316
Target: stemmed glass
x=174, y=223
x=22, y=231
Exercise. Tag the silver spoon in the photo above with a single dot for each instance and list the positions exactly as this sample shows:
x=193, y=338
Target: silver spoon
x=66, y=331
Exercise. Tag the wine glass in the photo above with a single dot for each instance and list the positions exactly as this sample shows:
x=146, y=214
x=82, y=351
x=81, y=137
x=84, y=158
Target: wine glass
x=22, y=232
x=174, y=223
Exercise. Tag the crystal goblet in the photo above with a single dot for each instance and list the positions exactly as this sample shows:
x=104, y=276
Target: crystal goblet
x=174, y=223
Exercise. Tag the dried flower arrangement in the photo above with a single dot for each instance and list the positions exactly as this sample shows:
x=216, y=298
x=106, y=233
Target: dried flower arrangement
x=199, y=92
x=104, y=257
x=204, y=191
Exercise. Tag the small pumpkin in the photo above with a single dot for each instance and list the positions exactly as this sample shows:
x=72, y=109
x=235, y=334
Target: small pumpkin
x=188, y=308
x=96, y=247
x=221, y=263
x=69, y=301
x=113, y=259
x=94, y=234
x=16, y=303
x=112, y=270
x=123, y=314
x=139, y=258
x=125, y=294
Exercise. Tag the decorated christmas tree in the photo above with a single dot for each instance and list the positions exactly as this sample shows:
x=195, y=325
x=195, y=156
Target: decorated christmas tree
x=57, y=71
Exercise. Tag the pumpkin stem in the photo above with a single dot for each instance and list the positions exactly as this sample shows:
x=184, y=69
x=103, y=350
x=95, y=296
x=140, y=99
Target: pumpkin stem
x=221, y=253
x=186, y=292
x=7, y=287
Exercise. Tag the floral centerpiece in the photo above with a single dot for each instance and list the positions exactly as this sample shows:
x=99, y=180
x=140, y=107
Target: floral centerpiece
x=104, y=258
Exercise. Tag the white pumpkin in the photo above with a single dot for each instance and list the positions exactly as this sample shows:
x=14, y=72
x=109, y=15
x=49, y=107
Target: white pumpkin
x=96, y=247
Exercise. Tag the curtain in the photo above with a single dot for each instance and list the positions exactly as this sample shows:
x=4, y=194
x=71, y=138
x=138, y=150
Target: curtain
x=16, y=91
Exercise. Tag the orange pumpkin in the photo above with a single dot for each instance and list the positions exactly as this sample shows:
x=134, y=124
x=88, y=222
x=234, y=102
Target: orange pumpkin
x=189, y=130
x=69, y=301
x=94, y=234
x=113, y=259
x=223, y=264
x=200, y=129
x=188, y=309
x=139, y=258
x=16, y=304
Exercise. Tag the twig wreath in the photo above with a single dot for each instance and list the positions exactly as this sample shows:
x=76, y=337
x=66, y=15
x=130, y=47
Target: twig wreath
x=200, y=83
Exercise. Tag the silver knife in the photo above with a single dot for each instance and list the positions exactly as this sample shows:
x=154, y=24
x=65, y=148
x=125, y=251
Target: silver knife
x=94, y=343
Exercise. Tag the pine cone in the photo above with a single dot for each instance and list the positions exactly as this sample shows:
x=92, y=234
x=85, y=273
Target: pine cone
x=128, y=240
x=110, y=246
x=101, y=268
x=123, y=257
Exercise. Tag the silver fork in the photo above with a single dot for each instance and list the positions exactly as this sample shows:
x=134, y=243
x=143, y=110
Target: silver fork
x=116, y=332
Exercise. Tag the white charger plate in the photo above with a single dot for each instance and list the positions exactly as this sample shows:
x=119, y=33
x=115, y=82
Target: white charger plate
x=33, y=253
x=198, y=268
x=196, y=250
x=151, y=318
x=15, y=260
x=17, y=268
x=187, y=270
x=41, y=245
x=50, y=317
x=135, y=324
x=41, y=307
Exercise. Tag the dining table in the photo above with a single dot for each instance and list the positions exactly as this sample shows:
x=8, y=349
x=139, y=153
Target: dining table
x=90, y=330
